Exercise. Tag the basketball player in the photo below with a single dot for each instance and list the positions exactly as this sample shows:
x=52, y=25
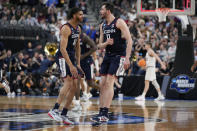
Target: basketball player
x=88, y=46
x=3, y=82
x=115, y=38
x=150, y=75
x=68, y=63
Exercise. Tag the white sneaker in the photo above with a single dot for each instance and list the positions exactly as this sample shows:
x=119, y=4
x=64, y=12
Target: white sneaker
x=77, y=108
x=55, y=114
x=140, y=98
x=9, y=94
x=89, y=95
x=84, y=98
x=66, y=121
x=13, y=94
x=159, y=98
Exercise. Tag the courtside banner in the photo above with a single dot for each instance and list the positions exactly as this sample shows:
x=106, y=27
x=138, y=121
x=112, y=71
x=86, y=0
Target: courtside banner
x=182, y=83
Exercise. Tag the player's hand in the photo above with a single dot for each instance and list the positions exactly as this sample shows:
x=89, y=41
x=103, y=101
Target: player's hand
x=74, y=71
x=97, y=73
x=126, y=64
x=192, y=68
x=79, y=67
x=163, y=66
x=110, y=41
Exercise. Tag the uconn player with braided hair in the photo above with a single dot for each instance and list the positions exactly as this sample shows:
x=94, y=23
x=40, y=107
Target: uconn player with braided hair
x=69, y=63
x=115, y=38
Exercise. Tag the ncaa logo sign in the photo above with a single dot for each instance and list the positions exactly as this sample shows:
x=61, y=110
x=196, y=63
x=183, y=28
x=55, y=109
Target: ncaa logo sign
x=182, y=83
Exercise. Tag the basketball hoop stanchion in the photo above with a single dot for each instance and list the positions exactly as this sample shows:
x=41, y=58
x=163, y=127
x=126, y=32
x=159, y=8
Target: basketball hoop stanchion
x=162, y=13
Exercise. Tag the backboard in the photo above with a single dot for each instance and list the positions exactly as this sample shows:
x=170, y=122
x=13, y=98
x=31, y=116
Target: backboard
x=177, y=7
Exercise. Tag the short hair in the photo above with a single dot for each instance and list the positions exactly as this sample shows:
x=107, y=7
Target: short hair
x=109, y=6
x=72, y=12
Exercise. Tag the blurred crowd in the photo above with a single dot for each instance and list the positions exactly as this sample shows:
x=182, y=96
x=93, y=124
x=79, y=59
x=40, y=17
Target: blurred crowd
x=31, y=72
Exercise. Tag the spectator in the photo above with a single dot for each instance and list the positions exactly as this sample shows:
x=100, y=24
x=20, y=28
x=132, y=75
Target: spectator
x=36, y=61
x=22, y=20
x=52, y=37
x=29, y=50
x=4, y=21
x=50, y=3
x=61, y=14
x=22, y=63
x=163, y=53
x=171, y=52
x=13, y=21
x=8, y=61
x=91, y=32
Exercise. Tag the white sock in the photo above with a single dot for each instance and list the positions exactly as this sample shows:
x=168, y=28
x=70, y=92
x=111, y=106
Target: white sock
x=159, y=93
x=143, y=94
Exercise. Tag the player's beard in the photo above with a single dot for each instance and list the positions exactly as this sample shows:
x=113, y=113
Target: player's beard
x=103, y=16
x=79, y=19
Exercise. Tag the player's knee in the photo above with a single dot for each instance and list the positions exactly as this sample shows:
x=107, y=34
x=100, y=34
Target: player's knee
x=108, y=84
x=155, y=84
x=62, y=92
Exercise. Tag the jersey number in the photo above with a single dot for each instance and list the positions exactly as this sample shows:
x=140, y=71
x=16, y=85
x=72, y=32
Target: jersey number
x=108, y=36
x=74, y=42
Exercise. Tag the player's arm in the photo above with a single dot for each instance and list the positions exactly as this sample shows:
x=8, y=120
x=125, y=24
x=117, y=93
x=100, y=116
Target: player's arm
x=194, y=66
x=153, y=54
x=126, y=33
x=102, y=44
x=4, y=55
x=65, y=32
x=86, y=39
x=78, y=49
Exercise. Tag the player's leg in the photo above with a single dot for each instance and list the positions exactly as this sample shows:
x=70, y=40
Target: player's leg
x=149, y=76
x=77, y=106
x=108, y=93
x=102, y=84
x=84, y=90
x=157, y=87
x=73, y=83
x=65, y=73
x=142, y=97
x=54, y=113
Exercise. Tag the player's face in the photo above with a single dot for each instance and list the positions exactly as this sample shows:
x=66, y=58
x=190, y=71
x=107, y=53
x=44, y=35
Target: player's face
x=103, y=12
x=79, y=16
x=147, y=46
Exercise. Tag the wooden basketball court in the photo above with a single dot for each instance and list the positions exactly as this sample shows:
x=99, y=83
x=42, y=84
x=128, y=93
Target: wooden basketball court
x=30, y=113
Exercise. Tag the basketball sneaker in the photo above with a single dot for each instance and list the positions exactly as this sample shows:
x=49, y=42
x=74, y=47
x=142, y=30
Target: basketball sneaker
x=140, y=98
x=9, y=95
x=85, y=97
x=89, y=95
x=66, y=121
x=100, y=118
x=159, y=98
x=77, y=108
x=55, y=114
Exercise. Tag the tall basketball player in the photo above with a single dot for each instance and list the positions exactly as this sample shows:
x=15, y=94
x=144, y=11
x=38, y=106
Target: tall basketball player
x=150, y=75
x=68, y=63
x=115, y=38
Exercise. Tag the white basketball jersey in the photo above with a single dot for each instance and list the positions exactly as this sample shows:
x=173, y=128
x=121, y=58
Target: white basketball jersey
x=150, y=61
